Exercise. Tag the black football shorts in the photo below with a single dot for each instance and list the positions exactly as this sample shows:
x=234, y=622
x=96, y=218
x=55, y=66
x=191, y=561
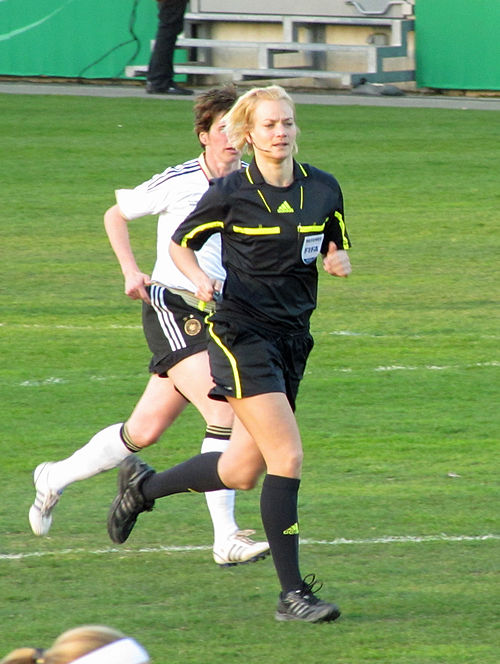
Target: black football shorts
x=173, y=329
x=246, y=360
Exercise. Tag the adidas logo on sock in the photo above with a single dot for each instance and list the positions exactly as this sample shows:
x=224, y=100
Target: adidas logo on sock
x=293, y=530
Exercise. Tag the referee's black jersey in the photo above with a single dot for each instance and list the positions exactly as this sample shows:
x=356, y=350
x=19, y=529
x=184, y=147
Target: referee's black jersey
x=271, y=237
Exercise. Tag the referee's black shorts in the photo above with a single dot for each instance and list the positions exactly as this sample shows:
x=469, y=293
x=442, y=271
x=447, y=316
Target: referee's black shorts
x=173, y=329
x=246, y=361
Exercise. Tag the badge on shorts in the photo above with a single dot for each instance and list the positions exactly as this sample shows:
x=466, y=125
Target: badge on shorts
x=192, y=327
x=311, y=247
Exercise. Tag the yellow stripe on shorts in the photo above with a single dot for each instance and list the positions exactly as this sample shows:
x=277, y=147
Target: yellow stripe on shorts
x=229, y=355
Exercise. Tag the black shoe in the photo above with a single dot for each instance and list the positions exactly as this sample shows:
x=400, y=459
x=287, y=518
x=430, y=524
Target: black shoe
x=171, y=89
x=129, y=502
x=302, y=604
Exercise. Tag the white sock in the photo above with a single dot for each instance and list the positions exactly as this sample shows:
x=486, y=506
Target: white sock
x=104, y=451
x=220, y=503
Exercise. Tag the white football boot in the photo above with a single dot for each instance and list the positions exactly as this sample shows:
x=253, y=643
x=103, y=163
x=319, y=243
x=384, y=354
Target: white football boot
x=239, y=548
x=40, y=514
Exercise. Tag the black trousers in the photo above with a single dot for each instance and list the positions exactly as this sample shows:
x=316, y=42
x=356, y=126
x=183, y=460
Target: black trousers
x=170, y=24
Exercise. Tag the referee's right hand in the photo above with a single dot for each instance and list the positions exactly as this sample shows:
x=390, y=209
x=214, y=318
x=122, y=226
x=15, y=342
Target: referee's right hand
x=205, y=287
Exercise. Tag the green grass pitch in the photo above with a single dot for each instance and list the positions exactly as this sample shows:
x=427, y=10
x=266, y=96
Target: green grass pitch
x=398, y=410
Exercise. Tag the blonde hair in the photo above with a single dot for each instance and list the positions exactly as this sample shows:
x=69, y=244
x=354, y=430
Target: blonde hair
x=240, y=119
x=70, y=645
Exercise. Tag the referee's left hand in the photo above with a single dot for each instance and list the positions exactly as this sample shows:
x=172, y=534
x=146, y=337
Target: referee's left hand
x=336, y=262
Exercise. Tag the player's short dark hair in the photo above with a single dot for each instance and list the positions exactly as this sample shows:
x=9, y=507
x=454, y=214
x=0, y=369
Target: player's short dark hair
x=209, y=105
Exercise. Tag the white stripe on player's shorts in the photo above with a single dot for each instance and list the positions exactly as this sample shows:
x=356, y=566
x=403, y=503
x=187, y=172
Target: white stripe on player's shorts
x=166, y=319
x=339, y=541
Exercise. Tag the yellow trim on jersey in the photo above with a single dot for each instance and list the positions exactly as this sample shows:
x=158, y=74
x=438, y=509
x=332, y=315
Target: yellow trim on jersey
x=264, y=200
x=271, y=230
x=200, y=229
x=247, y=171
x=345, y=242
x=229, y=355
x=313, y=228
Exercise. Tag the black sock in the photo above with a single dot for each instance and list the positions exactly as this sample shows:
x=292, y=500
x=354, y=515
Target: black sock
x=278, y=507
x=198, y=474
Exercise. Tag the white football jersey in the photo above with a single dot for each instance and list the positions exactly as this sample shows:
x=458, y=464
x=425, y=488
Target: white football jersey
x=172, y=195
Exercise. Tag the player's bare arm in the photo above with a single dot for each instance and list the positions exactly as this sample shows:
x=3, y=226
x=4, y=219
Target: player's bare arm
x=117, y=231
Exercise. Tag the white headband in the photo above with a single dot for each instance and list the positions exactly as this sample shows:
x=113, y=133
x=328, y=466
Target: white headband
x=124, y=651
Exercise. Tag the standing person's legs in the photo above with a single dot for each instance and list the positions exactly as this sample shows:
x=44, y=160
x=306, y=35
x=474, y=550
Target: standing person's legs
x=170, y=23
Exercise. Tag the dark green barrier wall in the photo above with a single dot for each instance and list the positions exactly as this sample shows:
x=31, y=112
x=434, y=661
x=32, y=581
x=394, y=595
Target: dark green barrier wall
x=65, y=37
x=458, y=44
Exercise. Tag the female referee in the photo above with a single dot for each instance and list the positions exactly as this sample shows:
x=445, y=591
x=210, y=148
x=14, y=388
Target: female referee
x=276, y=217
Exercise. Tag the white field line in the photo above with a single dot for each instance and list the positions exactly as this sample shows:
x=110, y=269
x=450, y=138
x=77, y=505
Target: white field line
x=117, y=326
x=390, y=539
x=425, y=367
x=54, y=380
x=40, y=326
x=372, y=335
